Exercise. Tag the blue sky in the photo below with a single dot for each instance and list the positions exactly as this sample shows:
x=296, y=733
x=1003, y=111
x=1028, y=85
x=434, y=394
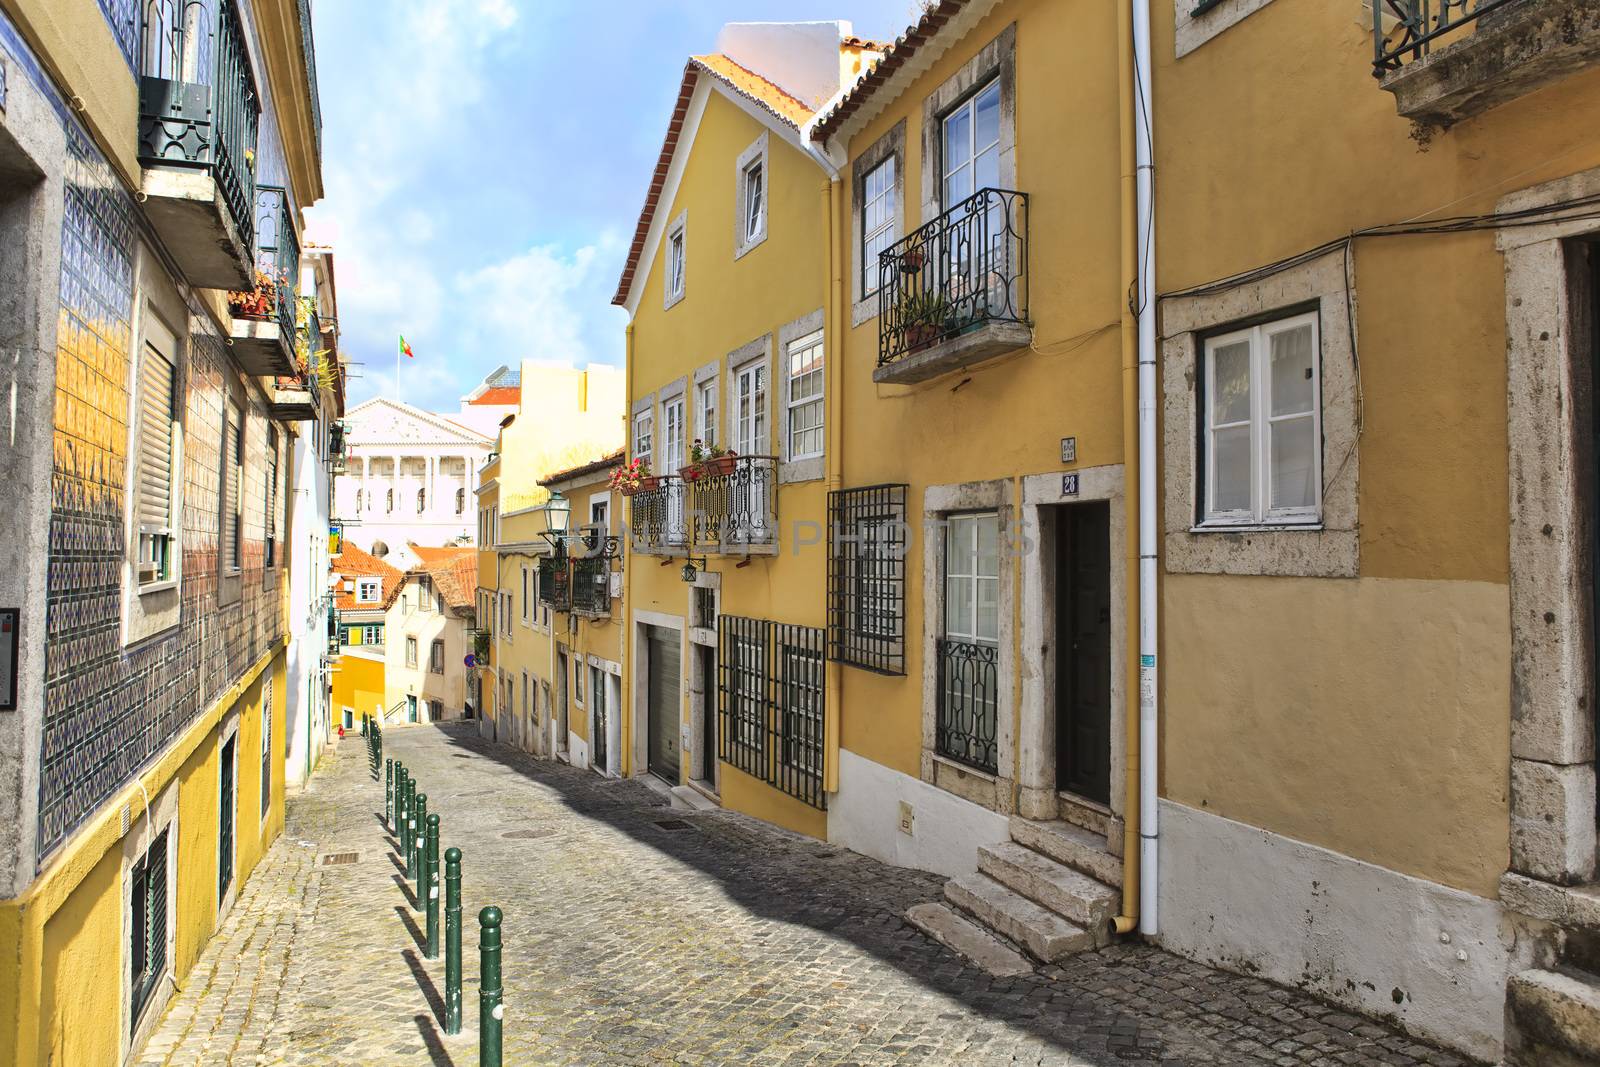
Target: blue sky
x=485, y=163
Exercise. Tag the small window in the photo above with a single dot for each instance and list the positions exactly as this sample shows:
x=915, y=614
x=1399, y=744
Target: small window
x=436, y=658
x=869, y=541
x=424, y=594
x=1261, y=412
x=706, y=412
x=805, y=397
x=369, y=590
x=233, y=520
x=388, y=505
x=411, y=652
x=526, y=601
x=643, y=436
x=147, y=928
x=373, y=635
x=755, y=201
x=677, y=263
x=461, y=501
x=878, y=214
x=229, y=797
x=598, y=516
x=156, y=473
x=422, y=501
x=577, y=682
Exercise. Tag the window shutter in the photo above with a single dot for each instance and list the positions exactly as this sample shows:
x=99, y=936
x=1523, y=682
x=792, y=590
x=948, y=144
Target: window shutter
x=235, y=449
x=156, y=924
x=157, y=386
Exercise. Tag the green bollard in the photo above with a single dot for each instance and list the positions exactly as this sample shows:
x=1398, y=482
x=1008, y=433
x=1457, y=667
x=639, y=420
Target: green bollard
x=421, y=851
x=490, y=1009
x=388, y=793
x=399, y=798
x=408, y=797
x=452, y=941
x=431, y=869
x=364, y=729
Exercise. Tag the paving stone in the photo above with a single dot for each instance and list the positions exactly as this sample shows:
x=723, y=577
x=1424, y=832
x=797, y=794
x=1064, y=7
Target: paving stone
x=730, y=942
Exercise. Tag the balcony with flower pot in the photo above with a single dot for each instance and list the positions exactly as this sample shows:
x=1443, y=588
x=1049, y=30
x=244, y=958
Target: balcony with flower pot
x=732, y=501
x=658, y=519
x=199, y=110
x=954, y=293
x=266, y=317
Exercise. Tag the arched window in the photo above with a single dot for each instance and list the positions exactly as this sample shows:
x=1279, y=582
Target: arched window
x=422, y=501
x=358, y=498
x=461, y=501
x=390, y=502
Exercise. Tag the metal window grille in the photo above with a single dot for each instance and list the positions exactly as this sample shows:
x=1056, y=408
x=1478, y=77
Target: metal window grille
x=771, y=704
x=228, y=789
x=868, y=542
x=147, y=933
x=278, y=256
x=967, y=267
x=555, y=583
x=967, y=690
x=705, y=607
x=591, y=585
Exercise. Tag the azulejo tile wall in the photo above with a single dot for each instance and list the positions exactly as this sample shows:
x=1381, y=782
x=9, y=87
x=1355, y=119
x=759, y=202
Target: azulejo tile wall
x=109, y=709
x=123, y=18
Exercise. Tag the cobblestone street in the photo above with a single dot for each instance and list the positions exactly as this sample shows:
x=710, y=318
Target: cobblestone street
x=637, y=934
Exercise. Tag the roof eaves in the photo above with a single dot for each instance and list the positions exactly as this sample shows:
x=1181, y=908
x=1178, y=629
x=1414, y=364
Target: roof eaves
x=896, y=55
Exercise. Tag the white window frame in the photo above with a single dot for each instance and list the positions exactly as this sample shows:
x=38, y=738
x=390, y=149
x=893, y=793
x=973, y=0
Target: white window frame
x=755, y=201
x=888, y=228
x=745, y=439
x=752, y=201
x=411, y=653
x=969, y=107
x=369, y=590
x=673, y=428
x=370, y=634
x=644, y=437
x=1261, y=513
x=955, y=554
x=675, y=263
x=818, y=400
x=527, y=585
x=160, y=343
x=706, y=411
x=436, y=663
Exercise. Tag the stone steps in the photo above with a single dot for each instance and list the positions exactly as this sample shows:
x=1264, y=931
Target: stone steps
x=688, y=798
x=1069, y=893
x=1555, y=1018
x=1071, y=845
x=1045, y=934
x=955, y=931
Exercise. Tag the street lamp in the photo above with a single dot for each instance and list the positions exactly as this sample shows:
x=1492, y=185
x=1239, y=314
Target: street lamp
x=558, y=515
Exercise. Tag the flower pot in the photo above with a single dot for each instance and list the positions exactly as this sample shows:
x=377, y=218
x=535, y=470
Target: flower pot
x=921, y=336
x=647, y=483
x=720, y=464
x=911, y=262
x=691, y=473
x=627, y=489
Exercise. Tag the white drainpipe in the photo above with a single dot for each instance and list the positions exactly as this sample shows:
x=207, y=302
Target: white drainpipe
x=1144, y=159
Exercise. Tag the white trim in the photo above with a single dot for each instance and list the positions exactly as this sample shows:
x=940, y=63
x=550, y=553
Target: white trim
x=753, y=156
x=678, y=232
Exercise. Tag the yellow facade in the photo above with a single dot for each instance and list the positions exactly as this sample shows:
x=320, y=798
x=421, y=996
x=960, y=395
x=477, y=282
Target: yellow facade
x=70, y=923
x=359, y=687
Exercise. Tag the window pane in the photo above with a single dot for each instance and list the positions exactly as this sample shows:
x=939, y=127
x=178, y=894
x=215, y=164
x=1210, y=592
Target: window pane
x=1230, y=385
x=1293, y=451
x=1231, y=461
x=988, y=564
x=987, y=106
x=958, y=186
x=958, y=606
x=988, y=609
x=1292, y=369
x=986, y=175
x=958, y=138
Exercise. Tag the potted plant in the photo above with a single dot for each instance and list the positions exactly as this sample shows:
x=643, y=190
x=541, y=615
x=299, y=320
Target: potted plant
x=633, y=477
x=911, y=260
x=922, y=317
x=706, y=460
x=259, y=303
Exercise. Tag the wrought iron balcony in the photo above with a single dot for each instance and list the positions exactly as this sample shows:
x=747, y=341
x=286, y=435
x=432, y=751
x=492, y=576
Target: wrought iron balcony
x=294, y=397
x=199, y=110
x=555, y=583
x=591, y=586
x=658, y=517
x=1447, y=60
x=967, y=690
x=481, y=643
x=265, y=317
x=954, y=293
x=735, y=506
x=308, y=49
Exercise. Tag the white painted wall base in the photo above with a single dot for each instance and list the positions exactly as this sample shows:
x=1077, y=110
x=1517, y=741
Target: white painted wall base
x=577, y=750
x=946, y=831
x=1429, y=958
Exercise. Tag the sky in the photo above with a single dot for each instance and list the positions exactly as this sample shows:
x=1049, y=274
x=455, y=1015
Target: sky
x=485, y=162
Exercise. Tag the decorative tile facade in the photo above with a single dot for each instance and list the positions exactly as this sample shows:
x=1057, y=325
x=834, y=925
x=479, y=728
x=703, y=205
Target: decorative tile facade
x=108, y=709
x=123, y=18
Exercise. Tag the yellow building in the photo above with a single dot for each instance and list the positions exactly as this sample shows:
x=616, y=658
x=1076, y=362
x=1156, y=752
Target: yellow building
x=726, y=288
x=148, y=532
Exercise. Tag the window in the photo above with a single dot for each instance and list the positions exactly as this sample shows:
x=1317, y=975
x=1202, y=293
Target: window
x=598, y=516
x=157, y=465
x=966, y=726
x=1261, y=411
x=436, y=658
x=424, y=594
x=147, y=928
x=266, y=746
x=505, y=613
x=672, y=431
x=359, y=493
x=369, y=590
x=461, y=501
x=389, y=502
x=972, y=145
x=233, y=521
x=800, y=705
x=755, y=202
x=867, y=577
x=706, y=412
x=577, y=682
x=643, y=438
x=527, y=601
x=677, y=263
x=370, y=635
x=972, y=577
x=878, y=214
x=422, y=501
x=770, y=692
x=271, y=506
x=805, y=397
x=750, y=410
x=411, y=652
x=228, y=792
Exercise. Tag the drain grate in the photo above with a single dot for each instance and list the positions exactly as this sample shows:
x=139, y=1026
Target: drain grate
x=673, y=824
x=338, y=859
x=527, y=835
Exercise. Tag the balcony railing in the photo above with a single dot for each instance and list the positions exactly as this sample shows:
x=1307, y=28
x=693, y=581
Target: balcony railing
x=199, y=105
x=278, y=254
x=966, y=268
x=658, y=517
x=480, y=646
x=1414, y=26
x=967, y=691
x=308, y=49
x=591, y=585
x=555, y=583
x=736, y=508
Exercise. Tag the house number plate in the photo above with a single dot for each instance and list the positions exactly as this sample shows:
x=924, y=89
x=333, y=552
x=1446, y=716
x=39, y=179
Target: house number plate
x=1069, y=485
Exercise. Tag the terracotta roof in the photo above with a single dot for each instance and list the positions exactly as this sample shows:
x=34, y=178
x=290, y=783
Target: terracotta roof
x=352, y=562
x=896, y=55
x=498, y=394
x=865, y=45
x=746, y=83
x=585, y=468
x=454, y=571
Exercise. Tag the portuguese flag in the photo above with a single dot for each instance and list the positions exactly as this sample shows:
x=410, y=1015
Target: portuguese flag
x=405, y=348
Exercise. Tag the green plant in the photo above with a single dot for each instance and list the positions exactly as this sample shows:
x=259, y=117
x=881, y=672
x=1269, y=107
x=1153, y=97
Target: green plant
x=699, y=451
x=922, y=308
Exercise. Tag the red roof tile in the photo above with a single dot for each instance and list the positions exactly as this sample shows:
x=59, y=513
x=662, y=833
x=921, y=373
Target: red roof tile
x=896, y=55
x=352, y=562
x=498, y=395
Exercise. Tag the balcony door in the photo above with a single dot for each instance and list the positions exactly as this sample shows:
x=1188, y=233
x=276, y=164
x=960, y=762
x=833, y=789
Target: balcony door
x=672, y=459
x=975, y=239
x=750, y=500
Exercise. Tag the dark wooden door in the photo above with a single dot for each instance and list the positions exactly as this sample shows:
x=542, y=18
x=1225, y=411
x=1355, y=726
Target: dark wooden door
x=662, y=650
x=1083, y=651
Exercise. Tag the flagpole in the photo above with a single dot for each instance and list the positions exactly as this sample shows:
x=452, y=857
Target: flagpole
x=397, y=371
